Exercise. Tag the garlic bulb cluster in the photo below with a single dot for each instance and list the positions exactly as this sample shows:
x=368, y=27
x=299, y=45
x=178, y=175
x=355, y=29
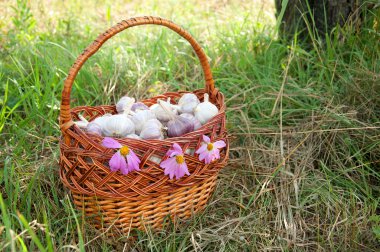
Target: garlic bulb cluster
x=135, y=120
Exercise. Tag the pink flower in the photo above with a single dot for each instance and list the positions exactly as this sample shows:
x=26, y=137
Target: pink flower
x=124, y=159
x=210, y=151
x=175, y=165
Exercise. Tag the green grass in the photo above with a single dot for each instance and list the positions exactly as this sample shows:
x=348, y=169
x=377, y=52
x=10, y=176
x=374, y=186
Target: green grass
x=304, y=171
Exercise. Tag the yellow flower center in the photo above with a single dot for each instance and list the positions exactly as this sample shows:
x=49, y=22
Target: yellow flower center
x=210, y=146
x=179, y=159
x=124, y=150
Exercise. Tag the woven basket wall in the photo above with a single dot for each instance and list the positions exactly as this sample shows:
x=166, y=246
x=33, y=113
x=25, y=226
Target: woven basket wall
x=147, y=197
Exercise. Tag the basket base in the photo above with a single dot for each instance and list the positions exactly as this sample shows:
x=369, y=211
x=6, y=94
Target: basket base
x=123, y=215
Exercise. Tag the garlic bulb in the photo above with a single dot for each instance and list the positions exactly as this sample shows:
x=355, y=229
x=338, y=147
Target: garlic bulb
x=102, y=119
x=153, y=121
x=160, y=113
x=152, y=130
x=133, y=136
x=139, y=106
x=140, y=117
x=125, y=103
x=205, y=110
x=188, y=102
x=118, y=126
x=94, y=128
x=177, y=125
x=193, y=119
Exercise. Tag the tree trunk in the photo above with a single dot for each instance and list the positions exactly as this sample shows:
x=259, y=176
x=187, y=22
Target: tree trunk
x=321, y=15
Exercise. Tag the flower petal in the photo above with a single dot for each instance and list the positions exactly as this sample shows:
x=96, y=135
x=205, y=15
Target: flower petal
x=134, y=156
x=133, y=164
x=208, y=158
x=201, y=149
x=175, y=150
x=170, y=162
x=111, y=143
x=183, y=170
x=170, y=165
x=216, y=154
x=220, y=144
x=203, y=155
x=206, y=139
x=117, y=162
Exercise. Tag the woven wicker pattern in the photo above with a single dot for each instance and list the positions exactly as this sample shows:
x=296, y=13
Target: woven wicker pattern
x=148, y=196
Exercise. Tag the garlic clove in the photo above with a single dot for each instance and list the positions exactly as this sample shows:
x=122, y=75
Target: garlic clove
x=188, y=102
x=193, y=119
x=118, y=126
x=125, y=103
x=205, y=110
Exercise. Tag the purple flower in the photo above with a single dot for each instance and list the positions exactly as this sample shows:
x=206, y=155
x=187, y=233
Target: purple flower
x=124, y=159
x=210, y=151
x=175, y=165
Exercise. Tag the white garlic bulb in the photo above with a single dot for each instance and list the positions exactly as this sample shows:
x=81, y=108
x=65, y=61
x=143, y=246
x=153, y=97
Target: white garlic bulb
x=193, y=119
x=152, y=130
x=133, y=136
x=160, y=113
x=140, y=117
x=94, y=128
x=205, y=110
x=102, y=119
x=188, y=102
x=153, y=121
x=125, y=103
x=139, y=106
x=118, y=126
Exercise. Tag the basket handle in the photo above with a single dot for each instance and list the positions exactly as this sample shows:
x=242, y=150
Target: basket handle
x=65, y=118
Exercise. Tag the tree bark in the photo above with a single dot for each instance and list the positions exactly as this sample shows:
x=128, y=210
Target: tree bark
x=321, y=15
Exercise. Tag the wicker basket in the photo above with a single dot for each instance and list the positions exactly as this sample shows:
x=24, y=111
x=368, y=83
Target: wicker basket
x=146, y=197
